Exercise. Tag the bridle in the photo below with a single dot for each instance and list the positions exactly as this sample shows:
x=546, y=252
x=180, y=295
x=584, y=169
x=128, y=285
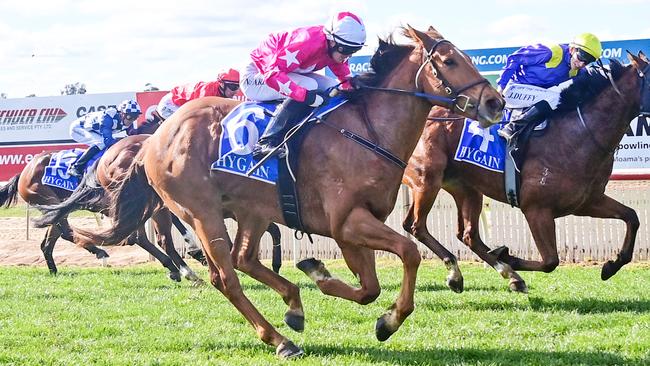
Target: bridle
x=454, y=99
x=454, y=94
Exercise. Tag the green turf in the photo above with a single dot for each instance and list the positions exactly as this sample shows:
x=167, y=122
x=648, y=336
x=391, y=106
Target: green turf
x=136, y=316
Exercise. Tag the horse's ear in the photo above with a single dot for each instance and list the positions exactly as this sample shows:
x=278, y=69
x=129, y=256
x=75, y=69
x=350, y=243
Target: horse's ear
x=634, y=60
x=416, y=35
x=643, y=57
x=433, y=33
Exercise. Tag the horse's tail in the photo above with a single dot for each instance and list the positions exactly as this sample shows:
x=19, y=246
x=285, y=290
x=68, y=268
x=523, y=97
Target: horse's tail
x=89, y=195
x=133, y=201
x=9, y=193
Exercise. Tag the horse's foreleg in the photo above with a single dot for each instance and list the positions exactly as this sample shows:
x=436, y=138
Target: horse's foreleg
x=47, y=247
x=608, y=208
x=542, y=225
x=362, y=228
x=469, y=204
x=276, y=261
x=211, y=230
x=361, y=262
x=245, y=256
x=416, y=224
x=145, y=244
x=162, y=223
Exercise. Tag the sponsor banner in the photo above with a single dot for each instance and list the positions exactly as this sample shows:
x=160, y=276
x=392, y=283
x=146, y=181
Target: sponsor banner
x=14, y=158
x=494, y=59
x=46, y=119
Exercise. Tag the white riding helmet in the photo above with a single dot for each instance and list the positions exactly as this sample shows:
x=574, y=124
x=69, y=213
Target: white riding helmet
x=346, y=29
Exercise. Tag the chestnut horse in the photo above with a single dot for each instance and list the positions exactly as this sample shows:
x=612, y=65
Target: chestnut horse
x=565, y=172
x=346, y=192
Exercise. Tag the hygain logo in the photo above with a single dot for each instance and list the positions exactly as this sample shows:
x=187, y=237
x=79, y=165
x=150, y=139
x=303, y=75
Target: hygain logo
x=31, y=116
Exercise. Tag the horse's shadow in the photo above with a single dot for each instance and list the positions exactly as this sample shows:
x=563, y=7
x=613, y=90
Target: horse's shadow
x=444, y=356
x=590, y=305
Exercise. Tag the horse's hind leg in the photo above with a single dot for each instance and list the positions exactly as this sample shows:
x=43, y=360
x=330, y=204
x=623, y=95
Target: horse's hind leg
x=208, y=223
x=162, y=223
x=66, y=233
x=416, y=224
x=608, y=208
x=245, y=256
x=145, y=244
x=193, y=248
x=469, y=203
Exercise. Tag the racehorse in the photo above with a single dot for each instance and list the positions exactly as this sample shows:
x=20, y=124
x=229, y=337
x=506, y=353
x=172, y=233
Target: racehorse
x=345, y=192
x=90, y=195
x=565, y=172
x=28, y=184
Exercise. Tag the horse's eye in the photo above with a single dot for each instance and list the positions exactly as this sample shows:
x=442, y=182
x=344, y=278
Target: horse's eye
x=449, y=62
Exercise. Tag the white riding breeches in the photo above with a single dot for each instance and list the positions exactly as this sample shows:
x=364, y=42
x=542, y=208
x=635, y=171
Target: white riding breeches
x=254, y=88
x=83, y=136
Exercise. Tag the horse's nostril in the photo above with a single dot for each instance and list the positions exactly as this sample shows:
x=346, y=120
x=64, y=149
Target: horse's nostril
x=494, y=104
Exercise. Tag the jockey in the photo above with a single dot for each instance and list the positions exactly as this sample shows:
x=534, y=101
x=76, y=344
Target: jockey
x=226, y=85
x=96, y=130
x=541, y=68
x=284, y=65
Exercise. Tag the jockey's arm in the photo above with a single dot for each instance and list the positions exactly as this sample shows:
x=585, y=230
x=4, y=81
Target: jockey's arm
x=107, y=131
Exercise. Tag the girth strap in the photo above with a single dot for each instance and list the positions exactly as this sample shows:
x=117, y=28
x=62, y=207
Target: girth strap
x=368, y=145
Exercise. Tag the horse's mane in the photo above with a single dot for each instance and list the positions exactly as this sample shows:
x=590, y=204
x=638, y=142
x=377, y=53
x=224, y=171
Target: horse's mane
x=587, y=86
x=388, y=55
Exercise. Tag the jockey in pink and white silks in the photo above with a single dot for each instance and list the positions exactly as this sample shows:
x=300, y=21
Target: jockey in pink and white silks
x=96, y=130
x=284, y=65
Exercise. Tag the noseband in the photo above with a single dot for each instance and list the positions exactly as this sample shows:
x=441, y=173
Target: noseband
x=454, y=94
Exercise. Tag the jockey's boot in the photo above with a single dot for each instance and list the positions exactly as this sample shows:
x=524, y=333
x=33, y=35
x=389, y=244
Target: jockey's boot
x=77, y=169
x=289, y=111
x=536, y=112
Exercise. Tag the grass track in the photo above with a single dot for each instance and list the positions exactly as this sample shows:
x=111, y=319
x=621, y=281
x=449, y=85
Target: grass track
x=136, y=316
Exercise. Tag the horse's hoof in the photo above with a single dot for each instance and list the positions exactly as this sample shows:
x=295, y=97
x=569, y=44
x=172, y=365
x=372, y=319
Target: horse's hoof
x=198, y=282
x=288, y=350
x=519, y=286
x=609, y=269
x=53, y=272
x=456, y=285
x=382, y=331
x=175, y=276
x=101, y=254
x=308, y=265
x=295, y=322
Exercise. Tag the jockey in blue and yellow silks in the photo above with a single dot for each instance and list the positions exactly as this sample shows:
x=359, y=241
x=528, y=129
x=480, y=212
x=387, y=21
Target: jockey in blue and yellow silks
x=542, y=67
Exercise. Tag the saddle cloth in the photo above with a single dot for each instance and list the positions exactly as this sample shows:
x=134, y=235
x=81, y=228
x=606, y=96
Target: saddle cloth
x=56, y=172
x=241, y=129
x=482, y=147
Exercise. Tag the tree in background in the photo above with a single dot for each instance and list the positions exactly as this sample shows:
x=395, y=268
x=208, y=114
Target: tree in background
x=76, y=88
x=150, y=87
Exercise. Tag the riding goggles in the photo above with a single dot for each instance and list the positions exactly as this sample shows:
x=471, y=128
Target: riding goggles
x=584, y=56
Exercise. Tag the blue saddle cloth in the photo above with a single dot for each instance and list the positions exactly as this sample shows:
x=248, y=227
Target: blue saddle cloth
x=56, y=172
x=482, y=147
x=241, y=129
